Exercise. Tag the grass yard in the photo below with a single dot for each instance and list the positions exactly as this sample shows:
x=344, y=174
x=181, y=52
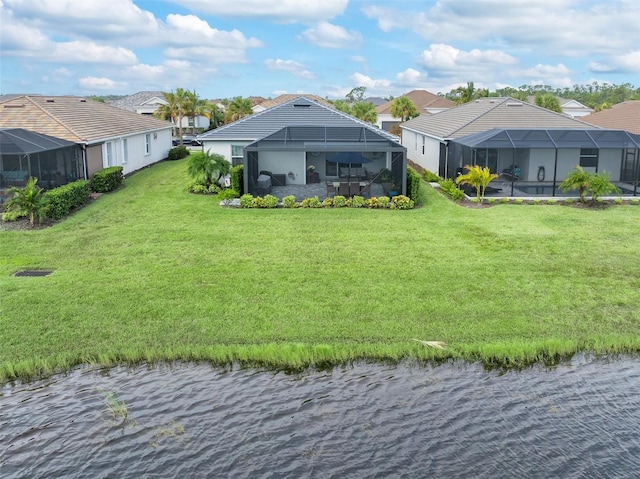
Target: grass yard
x=152, y=273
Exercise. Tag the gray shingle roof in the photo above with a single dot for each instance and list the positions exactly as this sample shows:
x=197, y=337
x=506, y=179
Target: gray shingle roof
x=487, y=113
x=132, y=102
x=299, y=111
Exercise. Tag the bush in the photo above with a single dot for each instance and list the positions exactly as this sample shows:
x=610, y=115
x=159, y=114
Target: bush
x=227, y=195
x=237, y=178
x=66, y=197
x=357, y=202
x=289, y=202
x=270, y=201
x=13, y=215
x=519, y=201
x=413, y=184
x=107, y=179
x=618, y=201
x=491, y=200
x=371, y=202
x=383, y=201
x=504, y=199
x=635, y=201
x=430, y=177
x=258, y=202
x=327, y=202
x=402, y=202
x=339, y=201
x=313, y=202
x=197, y=187
x=214, y=189
x=450, y=188
x=246, y=201
x=178, y=153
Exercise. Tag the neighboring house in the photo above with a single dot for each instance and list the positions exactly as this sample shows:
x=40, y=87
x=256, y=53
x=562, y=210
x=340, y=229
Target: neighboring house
x=286, y=140
x=24, y=153
x=521, y=142
x=622, y=116
x=426, y=102
x=147, y=102
x=572, y=108
x=108, y=136
x=266, y=104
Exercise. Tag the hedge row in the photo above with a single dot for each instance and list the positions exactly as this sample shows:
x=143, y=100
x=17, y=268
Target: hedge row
x=66, y=197
x=413, y=184
x=237, y=178
x=107, y=179
x=399, y=202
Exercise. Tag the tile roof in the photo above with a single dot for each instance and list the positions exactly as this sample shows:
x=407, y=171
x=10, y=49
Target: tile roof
x=74, y=118
x=297, y=111
x=622, y=116
x=422, y=99
x=486, y=113
x=292, y=96
x=132, y=102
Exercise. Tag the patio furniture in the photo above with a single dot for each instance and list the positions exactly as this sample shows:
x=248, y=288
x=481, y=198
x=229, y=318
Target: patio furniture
x=263, y=185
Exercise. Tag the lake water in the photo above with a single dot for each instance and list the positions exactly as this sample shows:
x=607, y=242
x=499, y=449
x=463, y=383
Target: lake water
x=580, y=419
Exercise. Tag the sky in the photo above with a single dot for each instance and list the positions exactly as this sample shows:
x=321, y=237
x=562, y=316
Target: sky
x=228, y=48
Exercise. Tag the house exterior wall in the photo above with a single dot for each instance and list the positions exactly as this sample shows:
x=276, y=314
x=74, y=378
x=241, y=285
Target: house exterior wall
x=422, y=150
x=224, y=147
x=131, y=153
x=94, y=159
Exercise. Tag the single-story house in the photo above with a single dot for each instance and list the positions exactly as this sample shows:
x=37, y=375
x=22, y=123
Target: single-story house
x=108, y=136
x=426, y=102
x=286, y=97
x=24, y=153
x=303, y=142
x=147, y=102
x=621, y=116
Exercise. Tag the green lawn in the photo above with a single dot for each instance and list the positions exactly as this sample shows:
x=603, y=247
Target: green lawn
x=151, y=272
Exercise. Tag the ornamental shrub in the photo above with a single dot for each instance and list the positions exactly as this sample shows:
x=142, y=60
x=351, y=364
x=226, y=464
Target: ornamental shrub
x=246, y=201
x=178, y=153
x=339, y=201
x=313, y=202
x=402, y=202
x=225, y=196
x=357, y=202
x=270, y=201
x=450, y=188
x=258, y=202
x=289, y=202
x=327, y=202
x=413, y=184
x=66, y=197
x=107, y=179
x=383, y=202
x=430, y=177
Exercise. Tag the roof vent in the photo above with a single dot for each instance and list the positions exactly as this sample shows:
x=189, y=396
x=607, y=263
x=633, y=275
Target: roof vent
x=514, y=103
x=301, y=105
x=14, y=106
x=82, y=100
x=49, y=100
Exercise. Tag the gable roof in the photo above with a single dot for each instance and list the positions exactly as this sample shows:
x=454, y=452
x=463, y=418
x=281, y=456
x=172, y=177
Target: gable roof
x=487, y=113
x=298, y=111
x=288, y=97
x=15, y=141
x=132, y=102
x=625, y=116
x=73, y=118
x=422, y=99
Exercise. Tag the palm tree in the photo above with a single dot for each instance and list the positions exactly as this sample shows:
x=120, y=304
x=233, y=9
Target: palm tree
x=479, y=178
x=403, y=108
x=194, y=107
x=579, y=180
x=365, y=111
x=174, y=109
x=548, y=101
x=464, y=94
x=238, y=108
x=207, y=168
x=30, y=200
x=215, y=115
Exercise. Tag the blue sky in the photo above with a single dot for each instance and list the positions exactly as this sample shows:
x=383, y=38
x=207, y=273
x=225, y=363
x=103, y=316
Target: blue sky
x=226, y=48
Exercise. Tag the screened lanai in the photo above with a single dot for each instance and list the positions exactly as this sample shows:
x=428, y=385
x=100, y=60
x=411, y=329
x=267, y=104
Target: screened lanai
x=346, y=160
x=533, y=162
x=24, y=153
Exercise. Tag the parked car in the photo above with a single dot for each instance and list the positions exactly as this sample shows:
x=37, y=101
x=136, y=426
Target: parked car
x=187, y=140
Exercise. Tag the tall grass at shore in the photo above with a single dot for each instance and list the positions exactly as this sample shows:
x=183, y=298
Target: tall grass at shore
x=151, y=273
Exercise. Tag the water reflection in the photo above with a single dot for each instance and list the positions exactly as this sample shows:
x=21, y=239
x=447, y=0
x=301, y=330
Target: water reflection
x=580, y=419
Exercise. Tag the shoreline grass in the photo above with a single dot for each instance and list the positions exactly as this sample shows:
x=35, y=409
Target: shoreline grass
x=151, y=273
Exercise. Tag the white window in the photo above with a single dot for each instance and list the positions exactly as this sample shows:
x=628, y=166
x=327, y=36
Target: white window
x=237, y=154
x=125, y=150
x=147, y=144
x=108, y=152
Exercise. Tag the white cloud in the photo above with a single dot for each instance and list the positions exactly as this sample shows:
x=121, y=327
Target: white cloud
x=358, y=59
x=445, y=60
x=101, y=84
x=327, y=35
x=372, y=85
x=556, y=76
x=191, y=30
x=290, y=66
x=411, y=78
x=627, y=63
x=286, y=11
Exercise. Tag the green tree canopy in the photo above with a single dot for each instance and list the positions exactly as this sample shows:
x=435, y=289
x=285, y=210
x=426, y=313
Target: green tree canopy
x=548, y=101
x=365, y=111
x=238, y=108
x=207, y=168
x=403, y=108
